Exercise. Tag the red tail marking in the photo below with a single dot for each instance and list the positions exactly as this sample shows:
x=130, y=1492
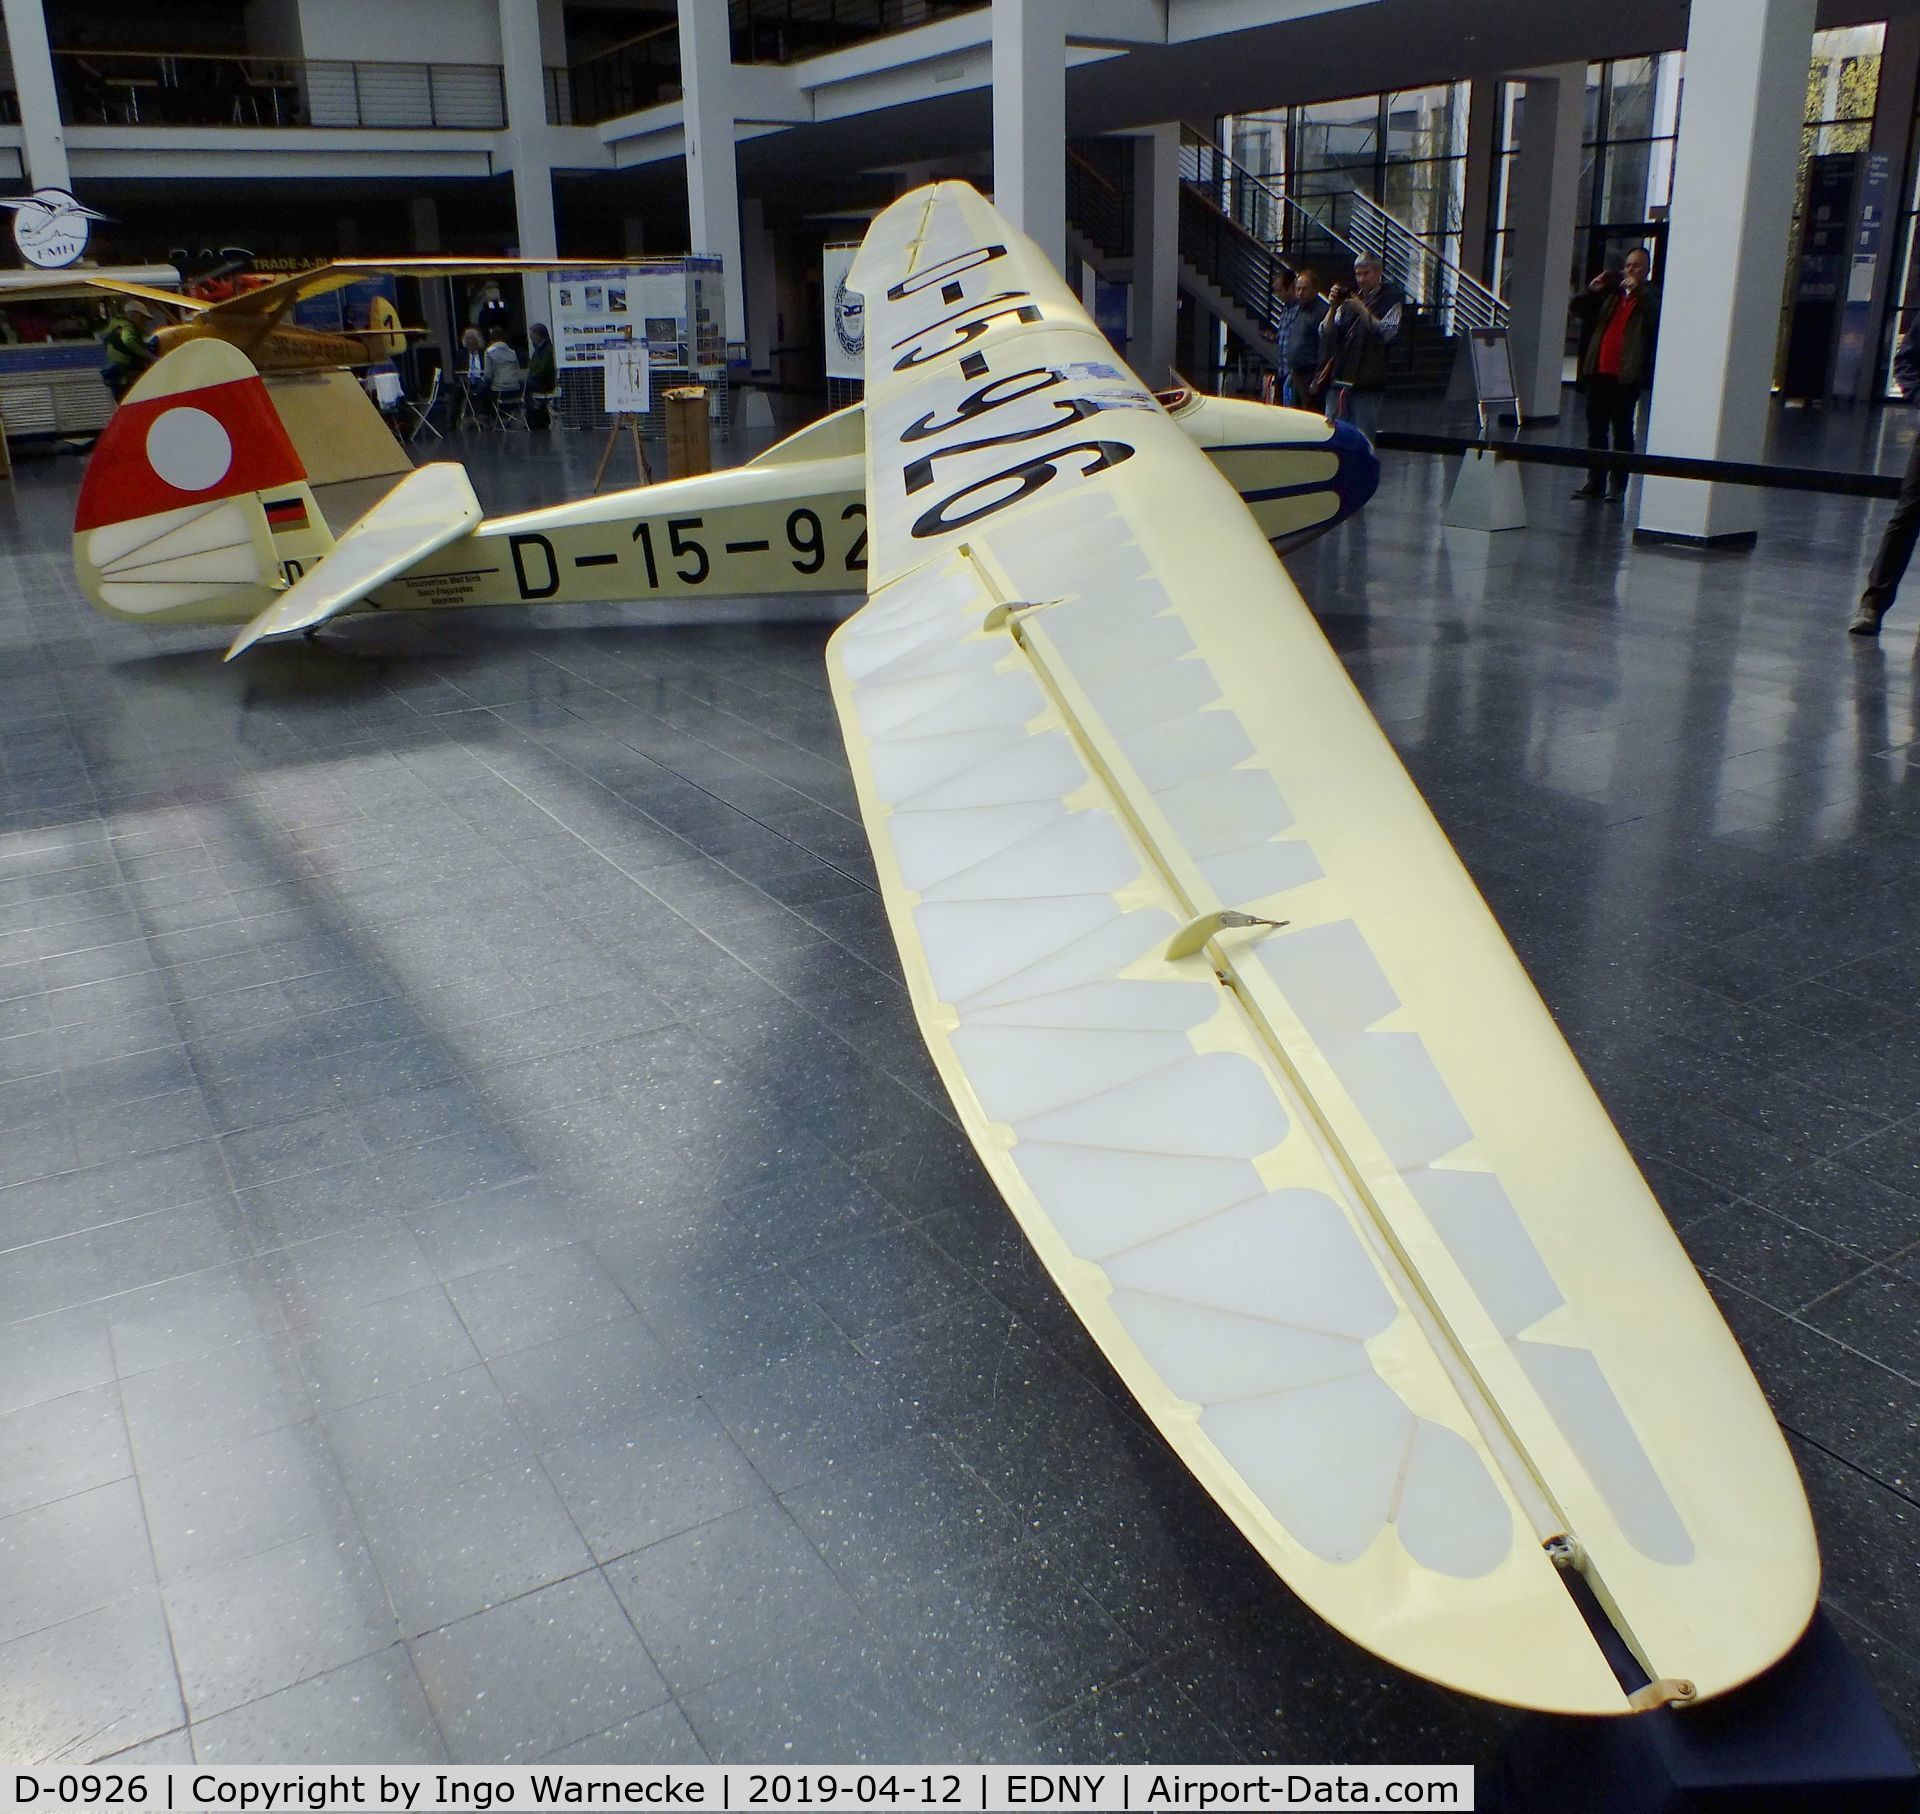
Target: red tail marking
x=121, y=482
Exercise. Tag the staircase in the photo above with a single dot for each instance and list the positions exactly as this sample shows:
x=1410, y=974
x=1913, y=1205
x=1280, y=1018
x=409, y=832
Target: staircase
x=1237, y=232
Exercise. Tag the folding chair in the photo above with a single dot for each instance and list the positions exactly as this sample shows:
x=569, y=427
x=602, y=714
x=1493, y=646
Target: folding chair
x=510, y=405
x=422, y=413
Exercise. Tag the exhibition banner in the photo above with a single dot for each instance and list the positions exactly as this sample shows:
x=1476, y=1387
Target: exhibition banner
x=846, y=314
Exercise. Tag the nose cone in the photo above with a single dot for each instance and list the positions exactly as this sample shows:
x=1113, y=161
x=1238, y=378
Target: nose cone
x=1358, y=475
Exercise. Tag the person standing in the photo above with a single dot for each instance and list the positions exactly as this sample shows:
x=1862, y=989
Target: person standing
x=1300, y=343
x=126, y=343
x=1359, y=326
x=1903, y=527
x=1620, y=312
x=542, y=379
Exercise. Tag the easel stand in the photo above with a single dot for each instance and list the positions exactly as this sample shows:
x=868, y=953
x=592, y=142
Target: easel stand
x=631, y=424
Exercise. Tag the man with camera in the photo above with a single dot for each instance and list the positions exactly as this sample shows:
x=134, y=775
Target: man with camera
x=1361, y=322
x=1621, y=315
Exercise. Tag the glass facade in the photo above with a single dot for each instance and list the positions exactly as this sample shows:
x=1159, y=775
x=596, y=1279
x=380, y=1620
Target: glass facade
x=1405, y=150
x=1626, y=166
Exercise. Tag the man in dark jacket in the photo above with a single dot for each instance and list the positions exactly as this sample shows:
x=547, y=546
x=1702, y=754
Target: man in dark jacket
x=1300, y=339
x=1361, y=323
x=1621, y=319
x=1903, y=527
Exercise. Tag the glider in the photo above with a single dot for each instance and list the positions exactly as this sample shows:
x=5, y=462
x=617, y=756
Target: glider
x=254, y=320
x=1221, y=1011
x=1247, y=1055
x=215, y=495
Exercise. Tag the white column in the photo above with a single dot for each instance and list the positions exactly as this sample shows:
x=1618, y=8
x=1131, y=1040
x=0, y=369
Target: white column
x=1541, y=204
x=527, y=128
x=1734, y=171
x=713, y=188
x=1030, y=120
x=45, y=138
x=1156, y=251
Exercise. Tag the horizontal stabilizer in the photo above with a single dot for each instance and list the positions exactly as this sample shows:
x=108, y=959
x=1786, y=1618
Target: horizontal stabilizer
x=429, y=508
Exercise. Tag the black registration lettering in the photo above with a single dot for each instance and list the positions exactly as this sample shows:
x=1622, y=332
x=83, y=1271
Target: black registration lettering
x=969, y=260
x=518, y=546
x=805, y=539
x=1025, y=478
x=679, y=542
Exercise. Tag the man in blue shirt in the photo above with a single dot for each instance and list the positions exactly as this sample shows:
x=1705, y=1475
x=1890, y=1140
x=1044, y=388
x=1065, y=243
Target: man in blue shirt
x=1300, y=342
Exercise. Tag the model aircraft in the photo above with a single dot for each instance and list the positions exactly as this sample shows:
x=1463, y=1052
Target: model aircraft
x=214, y=496
x=254, y=320
x=1220, y=1009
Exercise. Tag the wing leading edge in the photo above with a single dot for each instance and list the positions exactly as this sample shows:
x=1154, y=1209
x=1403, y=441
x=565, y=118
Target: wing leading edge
x=1332, y=1195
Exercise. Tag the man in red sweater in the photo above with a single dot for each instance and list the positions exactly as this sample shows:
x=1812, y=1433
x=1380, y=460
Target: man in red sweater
x=1622, y=311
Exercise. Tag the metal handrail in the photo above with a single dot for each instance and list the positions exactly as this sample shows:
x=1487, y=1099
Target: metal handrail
x=209, y=88
x=1459, y=300
x=1353, y=221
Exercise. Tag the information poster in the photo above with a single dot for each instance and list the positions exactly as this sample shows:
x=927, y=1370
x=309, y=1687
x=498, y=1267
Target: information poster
x=1492, y=366
x=590, y=311
x=627, y=376
x=846, y=314
x=1850, y=375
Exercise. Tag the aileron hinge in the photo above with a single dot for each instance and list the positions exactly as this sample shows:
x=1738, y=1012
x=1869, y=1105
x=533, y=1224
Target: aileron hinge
x=1663, y=1691
x=1195, y=933
x=998, y=615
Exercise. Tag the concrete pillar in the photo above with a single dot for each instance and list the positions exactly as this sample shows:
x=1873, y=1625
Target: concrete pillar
x=1733, y=182
x=1545, y=192
x=756, y=252
x=520, y=54
x=435, y=304
x=1483, y=152
x=1892, y=134
x=45, y=139
x=713, y=188
x=1156, y=252
x=1030, y=120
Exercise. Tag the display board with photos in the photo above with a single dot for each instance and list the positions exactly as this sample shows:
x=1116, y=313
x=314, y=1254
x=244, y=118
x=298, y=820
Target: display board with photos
x=673, y=307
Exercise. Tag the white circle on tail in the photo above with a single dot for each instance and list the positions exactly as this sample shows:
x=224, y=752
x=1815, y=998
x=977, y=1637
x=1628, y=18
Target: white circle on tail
x=189, y=449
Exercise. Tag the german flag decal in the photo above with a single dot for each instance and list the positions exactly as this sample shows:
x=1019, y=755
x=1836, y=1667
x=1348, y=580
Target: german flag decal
x=285, y=514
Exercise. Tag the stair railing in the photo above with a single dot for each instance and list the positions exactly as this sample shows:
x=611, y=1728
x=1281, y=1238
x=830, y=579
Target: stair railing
x=1347, y=219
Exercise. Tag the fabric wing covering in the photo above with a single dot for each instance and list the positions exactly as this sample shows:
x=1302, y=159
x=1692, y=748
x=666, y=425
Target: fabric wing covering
x=1333, y=1196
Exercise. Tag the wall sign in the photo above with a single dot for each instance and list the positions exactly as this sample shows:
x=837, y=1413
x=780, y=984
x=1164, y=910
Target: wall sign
x=846, y=314
x=50, y=227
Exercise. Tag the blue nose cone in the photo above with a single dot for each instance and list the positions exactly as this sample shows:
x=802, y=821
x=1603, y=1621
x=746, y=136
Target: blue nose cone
x=1358, y=475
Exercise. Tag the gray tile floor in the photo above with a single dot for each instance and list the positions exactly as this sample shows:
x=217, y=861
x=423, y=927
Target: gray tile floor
x=489, y=1271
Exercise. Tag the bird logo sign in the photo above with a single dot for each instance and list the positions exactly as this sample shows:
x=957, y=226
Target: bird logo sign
x=49, y=226
x=849, y=319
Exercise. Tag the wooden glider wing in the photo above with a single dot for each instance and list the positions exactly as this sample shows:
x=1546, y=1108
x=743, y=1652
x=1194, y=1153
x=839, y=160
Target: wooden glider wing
x=82, y=286
x=430, y=507
x=1332, y=1195
x=269, y=302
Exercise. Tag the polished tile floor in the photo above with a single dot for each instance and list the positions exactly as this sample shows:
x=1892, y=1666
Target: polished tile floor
x=488, y=1270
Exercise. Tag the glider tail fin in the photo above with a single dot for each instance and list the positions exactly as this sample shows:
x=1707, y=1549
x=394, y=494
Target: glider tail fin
x=196, y=505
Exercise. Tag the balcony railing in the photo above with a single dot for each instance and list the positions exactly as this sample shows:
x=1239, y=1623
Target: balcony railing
x=168, y=88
